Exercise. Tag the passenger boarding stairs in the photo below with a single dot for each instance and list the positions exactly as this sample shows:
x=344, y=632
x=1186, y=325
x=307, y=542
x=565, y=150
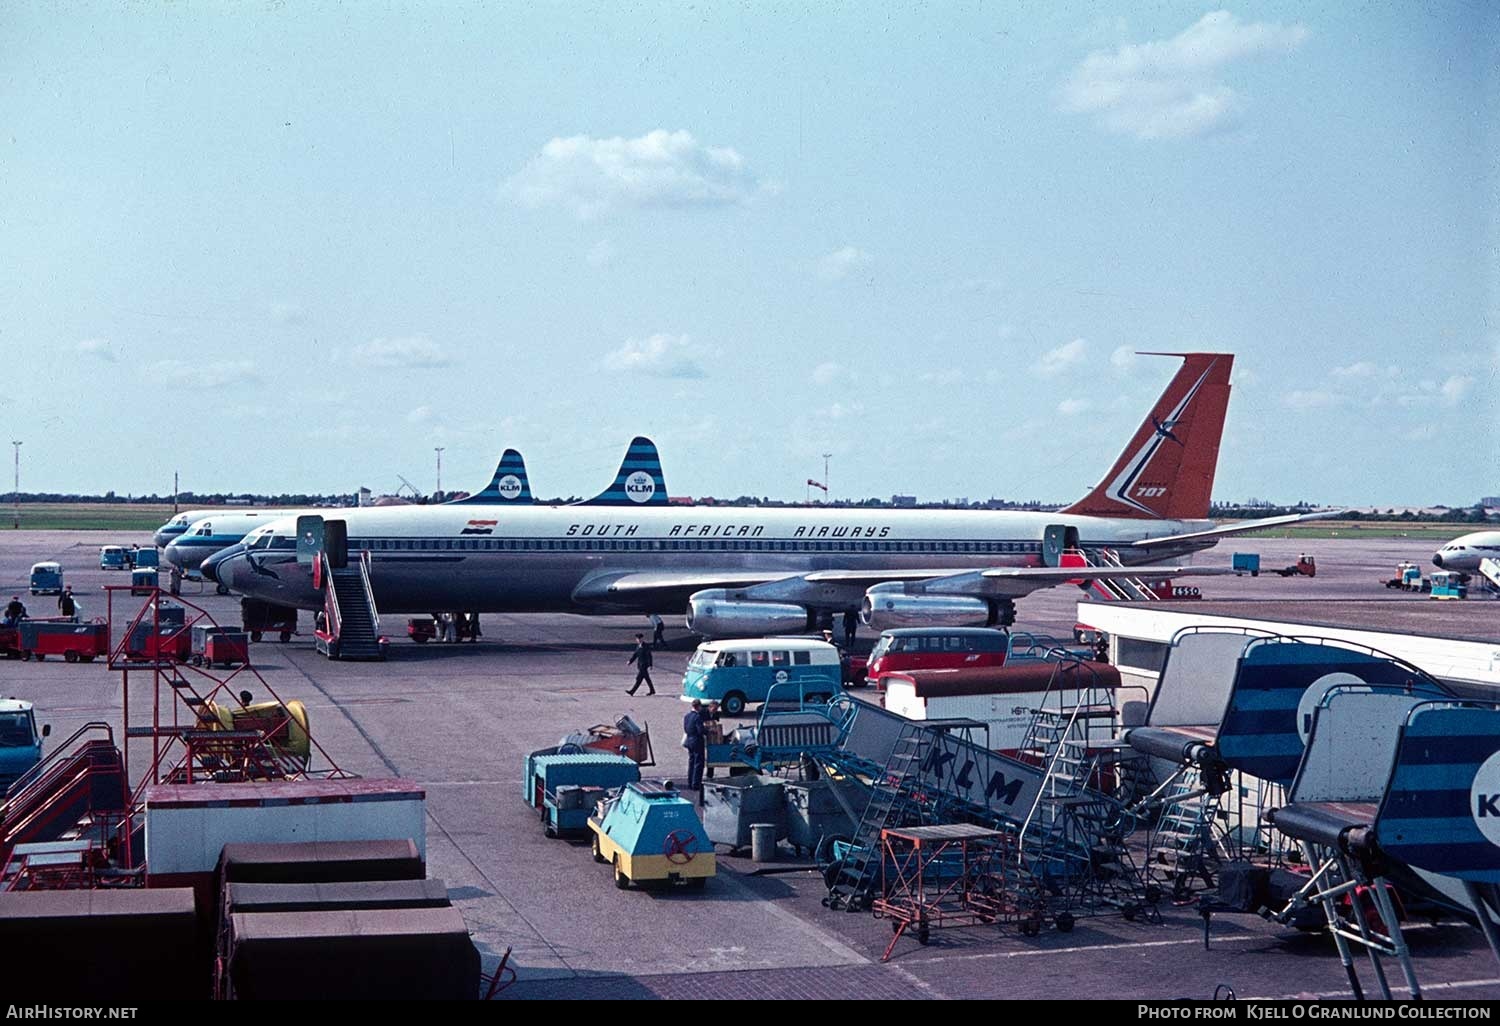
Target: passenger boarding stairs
x=1073, y=837
x=1183, y=846
x=77, y=791
x=1115, y=588
x=352, y=628
x=1489, y=569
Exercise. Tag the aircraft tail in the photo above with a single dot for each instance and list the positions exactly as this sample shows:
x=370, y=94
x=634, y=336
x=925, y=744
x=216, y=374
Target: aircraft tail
x=639, y=482
x=509, y=486
x=1167, y=470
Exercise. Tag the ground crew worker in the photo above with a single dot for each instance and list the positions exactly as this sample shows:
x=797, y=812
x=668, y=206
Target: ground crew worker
x=642, y=659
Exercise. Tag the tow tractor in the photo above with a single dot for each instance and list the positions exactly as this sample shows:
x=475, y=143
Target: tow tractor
x=1305, y=566
x=650, y=833
x=1408, y=578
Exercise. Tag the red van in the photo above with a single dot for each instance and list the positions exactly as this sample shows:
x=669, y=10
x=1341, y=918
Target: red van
x=936, y=648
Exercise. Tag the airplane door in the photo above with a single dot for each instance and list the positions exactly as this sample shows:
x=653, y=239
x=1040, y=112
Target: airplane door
x=310, y=534
x=1056, y=538
x=336, y=543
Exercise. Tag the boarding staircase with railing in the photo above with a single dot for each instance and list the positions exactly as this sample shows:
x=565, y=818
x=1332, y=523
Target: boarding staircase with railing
x=76, y=792
x=1115, y=589
x=352, y=621
x=1182, y=846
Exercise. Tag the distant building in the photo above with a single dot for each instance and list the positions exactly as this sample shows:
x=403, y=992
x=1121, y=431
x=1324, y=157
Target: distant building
x=1490, y=502
x=679, y=500
x=904, y=501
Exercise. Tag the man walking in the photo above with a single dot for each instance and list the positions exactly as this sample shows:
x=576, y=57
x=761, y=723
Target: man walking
x=65, y=604
x=642, y=659
x=696, y=742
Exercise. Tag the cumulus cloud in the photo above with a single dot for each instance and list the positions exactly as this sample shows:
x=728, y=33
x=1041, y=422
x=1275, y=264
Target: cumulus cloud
x=1072, y=407
x=178, y=374
x=1171, y=89
x=1055, y=361
x=659, y=169
x=829, y=372
x=410, y=351
x=659, y=356
x=842, y=263
x=1123, y=358
x=96, y=347
x=1364, y=370
x=601, y=254
x=1311, y=399
x=1455, y=388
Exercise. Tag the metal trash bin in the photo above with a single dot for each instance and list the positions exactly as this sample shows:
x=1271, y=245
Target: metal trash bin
x=732, y=806
x=813, y=812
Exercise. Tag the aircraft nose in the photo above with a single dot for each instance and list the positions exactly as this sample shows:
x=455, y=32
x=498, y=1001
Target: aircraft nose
x=1437, y=559
x=173, y=554
x=210, y=567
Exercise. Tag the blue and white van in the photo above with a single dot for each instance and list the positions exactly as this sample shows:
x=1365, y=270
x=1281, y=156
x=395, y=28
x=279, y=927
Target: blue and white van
x=735, y=673
x=46, y=578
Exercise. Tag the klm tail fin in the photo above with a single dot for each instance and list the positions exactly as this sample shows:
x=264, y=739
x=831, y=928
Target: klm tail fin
x=639, y=482
x=508, y=487
x=1167, y=470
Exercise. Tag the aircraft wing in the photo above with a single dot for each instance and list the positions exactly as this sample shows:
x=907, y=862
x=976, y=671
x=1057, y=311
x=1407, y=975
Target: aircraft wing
x=1228, y=529
x=843, y=586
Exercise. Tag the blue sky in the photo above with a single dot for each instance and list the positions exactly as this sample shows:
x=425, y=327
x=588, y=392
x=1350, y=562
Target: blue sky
x=295, y=247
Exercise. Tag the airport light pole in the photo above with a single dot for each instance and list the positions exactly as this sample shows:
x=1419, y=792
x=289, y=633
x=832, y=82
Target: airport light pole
x=439, y=450
x=16, y=496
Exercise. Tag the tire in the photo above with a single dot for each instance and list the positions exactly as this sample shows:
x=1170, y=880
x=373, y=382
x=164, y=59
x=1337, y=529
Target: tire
x=621, y=880
x=286, y=636
x=26, y=655
x=222, y=589
x=924, y=937
x=420, y=639
x=255, y=635
x=1065, y=922
x=598, y=855
x=88, y=658
x=40, y=656
x=697, y=883
x=550, y=831
x=733, y=704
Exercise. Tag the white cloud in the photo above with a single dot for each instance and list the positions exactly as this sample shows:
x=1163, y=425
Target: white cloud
x=660, y=356
x=287, y=314
x=601, y=254
x=839, y=411
x=1170, y=89
x=1055, y=361
x=659, y=169
x=827, y=373
x=1123, y=358
x=1072, y=407
x=96, y=347
x=1311, y=399
x=1364, y=370
x=412, y=351
x=1455, y=388
x=419, y=415
x=178, y=374
x=842, y=263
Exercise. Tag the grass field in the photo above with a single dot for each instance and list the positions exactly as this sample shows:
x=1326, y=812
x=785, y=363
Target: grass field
x=1437, y=533
x=88, y=516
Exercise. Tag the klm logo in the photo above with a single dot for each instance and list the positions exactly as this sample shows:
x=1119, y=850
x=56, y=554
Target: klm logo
x=1484, y=799
x=944, y=767
x=639, y=487
x=1487, y=806
x=509, y=486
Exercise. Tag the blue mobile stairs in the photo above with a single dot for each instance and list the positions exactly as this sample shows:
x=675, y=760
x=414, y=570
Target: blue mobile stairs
x=1069, y=835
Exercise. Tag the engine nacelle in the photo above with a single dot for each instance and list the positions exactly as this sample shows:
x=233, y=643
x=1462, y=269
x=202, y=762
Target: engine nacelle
x=886, y=606
x=713, y=614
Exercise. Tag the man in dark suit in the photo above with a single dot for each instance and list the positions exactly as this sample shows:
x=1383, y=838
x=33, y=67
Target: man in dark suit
x=642, y=659
x=696, y=742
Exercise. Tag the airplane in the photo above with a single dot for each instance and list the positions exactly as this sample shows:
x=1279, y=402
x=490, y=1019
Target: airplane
x=1468, y=554
x=214, y=530
x=752, y=571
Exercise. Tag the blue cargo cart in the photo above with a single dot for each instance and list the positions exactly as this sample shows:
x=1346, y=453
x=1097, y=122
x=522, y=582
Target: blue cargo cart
x=564, y=788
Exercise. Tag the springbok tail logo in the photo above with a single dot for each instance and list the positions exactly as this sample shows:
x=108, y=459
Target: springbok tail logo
x=480, y=527
x=1167, y=470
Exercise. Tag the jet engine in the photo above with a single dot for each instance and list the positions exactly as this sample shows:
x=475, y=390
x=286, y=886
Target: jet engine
x=887, y=605
x=713, y=614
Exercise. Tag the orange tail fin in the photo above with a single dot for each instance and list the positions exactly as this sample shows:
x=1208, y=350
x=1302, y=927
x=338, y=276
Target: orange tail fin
x=1167, y=470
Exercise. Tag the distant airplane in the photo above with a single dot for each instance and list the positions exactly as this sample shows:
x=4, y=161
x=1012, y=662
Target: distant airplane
x=754, y=571
x=1466, y=552
x=188, y=544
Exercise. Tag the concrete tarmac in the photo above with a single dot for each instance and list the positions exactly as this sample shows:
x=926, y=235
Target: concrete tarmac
x=459, y=719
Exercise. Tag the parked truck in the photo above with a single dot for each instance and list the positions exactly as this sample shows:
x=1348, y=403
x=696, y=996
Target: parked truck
x=20, y=742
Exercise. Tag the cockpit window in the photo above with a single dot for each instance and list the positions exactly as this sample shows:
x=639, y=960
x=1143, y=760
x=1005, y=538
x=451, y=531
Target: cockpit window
x=263, y=542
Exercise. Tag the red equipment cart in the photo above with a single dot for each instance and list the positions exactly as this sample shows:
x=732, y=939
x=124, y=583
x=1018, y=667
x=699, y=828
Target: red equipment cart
x=75, y=642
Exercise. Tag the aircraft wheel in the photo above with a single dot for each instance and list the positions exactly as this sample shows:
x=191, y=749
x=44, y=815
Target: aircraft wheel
x=222, y=589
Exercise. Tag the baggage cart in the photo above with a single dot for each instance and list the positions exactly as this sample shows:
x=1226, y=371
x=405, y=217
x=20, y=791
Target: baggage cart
x=75, y=642
x=261, y=618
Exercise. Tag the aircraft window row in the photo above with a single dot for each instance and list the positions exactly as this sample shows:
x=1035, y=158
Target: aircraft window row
x=672, y=545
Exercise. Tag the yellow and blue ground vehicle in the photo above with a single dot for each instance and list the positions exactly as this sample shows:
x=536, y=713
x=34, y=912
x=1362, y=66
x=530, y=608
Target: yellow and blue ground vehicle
x=649, y=833
x=736, y=673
